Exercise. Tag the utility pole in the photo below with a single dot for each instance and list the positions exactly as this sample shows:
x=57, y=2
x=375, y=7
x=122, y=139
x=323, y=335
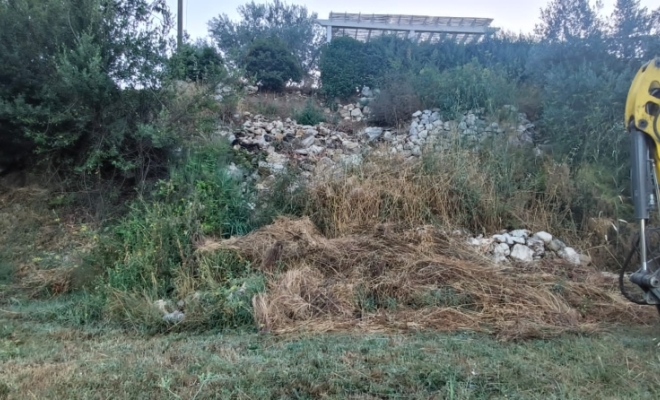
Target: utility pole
x=180, y=25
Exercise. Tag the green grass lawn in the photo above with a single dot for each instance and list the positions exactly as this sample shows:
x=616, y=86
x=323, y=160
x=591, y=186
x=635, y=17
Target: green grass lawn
x=50, y=361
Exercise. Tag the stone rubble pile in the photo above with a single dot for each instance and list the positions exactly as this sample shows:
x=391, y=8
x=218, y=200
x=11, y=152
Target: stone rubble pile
x=359, y=111
x=323, y=146
x=522, y=246
x=427, y=125
x=286, y=142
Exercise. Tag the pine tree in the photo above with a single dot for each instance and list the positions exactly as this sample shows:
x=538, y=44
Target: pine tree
x=566, y=20
x=630, y=29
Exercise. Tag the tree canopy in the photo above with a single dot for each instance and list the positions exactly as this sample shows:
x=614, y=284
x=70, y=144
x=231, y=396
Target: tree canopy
x=293, y=24
x=78, y=80
x=271, y=62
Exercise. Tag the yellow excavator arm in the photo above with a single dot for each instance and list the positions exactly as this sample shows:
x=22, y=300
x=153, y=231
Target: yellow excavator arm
x=643, y=102
x=642, y=120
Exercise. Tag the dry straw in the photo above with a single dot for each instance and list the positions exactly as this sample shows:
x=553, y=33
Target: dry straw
x=396, y=279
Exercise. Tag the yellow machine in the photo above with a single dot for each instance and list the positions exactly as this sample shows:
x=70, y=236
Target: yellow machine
x=642, y=119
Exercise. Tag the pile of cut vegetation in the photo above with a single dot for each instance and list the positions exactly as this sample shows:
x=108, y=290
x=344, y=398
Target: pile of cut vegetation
x=395, y=279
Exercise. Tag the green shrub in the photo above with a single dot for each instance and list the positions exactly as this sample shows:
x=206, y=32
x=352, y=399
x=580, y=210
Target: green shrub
x=272, y=64
x=310, y=115
x=196, y=62
x=69, y=83
x=466, y=87
x=396, y=102
x=347, y=65
x=156, y=238
x=582, y=117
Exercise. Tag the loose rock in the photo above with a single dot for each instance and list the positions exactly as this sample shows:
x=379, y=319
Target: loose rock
x=523, y=253
x=544, y=236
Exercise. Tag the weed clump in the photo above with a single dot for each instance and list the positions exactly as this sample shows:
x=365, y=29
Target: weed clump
x=310, y=115
x=149, y=254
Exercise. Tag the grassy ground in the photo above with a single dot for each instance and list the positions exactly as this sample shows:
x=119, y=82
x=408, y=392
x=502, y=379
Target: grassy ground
x=50, y=361
x=45, y=354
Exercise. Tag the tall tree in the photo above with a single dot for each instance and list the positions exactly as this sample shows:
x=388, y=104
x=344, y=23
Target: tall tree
x=630, y=28
x=78, y=79
x=291, y=23
x=570, y=34
x=566, y=20
x=272, y=63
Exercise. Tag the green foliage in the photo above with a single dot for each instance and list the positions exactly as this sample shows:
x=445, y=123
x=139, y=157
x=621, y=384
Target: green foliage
x=397, y=101
x=196, y=62
x=293, y=24
x=310, y=115
x=156, y=238
x=226, y=299
x=634, y=31
x=288, y=196
x=77, y=86
x=569, y=20
x=347, y=64
x=272, y=64
x=581, y=114
x=467, y=87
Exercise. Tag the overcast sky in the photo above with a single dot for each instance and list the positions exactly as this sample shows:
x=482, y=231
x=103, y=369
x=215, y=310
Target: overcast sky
x=510, y=15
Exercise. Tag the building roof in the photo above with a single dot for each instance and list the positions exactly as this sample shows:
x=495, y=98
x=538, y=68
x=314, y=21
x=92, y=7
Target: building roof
x=420, y=28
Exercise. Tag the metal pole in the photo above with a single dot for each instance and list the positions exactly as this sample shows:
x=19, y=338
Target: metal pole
x=642, y=244
x=180, y=25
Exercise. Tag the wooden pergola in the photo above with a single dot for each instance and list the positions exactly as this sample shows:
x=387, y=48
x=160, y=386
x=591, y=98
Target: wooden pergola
x=363, y=27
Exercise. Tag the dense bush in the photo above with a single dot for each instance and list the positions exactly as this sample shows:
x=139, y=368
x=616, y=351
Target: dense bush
x=347, y=65
x=466, y=87
x=154, y=243
x=310, y=115
x=272, y=63
x=397, y=101
x=582, y=115
x=292, y=23
x=196, y=62
x=81, y=86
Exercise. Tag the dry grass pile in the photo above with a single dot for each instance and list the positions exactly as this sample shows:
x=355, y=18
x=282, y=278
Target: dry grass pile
x=399, y=279
x=457, y=188
x=451, y=190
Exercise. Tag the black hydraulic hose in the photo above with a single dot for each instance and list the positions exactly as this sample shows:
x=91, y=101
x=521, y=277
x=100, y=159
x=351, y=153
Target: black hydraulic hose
x=622, y=273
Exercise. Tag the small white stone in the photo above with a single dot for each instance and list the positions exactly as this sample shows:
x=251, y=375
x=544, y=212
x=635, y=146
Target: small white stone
x=308, y=141
x=521, y=252
x=502, y=250
x=176, y=316
x=569, y=254
x=556, y=245
x=523, y=233
x=500, y=238
x=537, y=246
x=545, y=236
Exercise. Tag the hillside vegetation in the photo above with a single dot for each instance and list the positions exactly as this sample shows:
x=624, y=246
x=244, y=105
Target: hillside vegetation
x=265, y=181
x=230, y=196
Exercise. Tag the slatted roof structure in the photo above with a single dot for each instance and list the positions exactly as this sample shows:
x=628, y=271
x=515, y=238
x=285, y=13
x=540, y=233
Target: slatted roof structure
x=363, y=27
